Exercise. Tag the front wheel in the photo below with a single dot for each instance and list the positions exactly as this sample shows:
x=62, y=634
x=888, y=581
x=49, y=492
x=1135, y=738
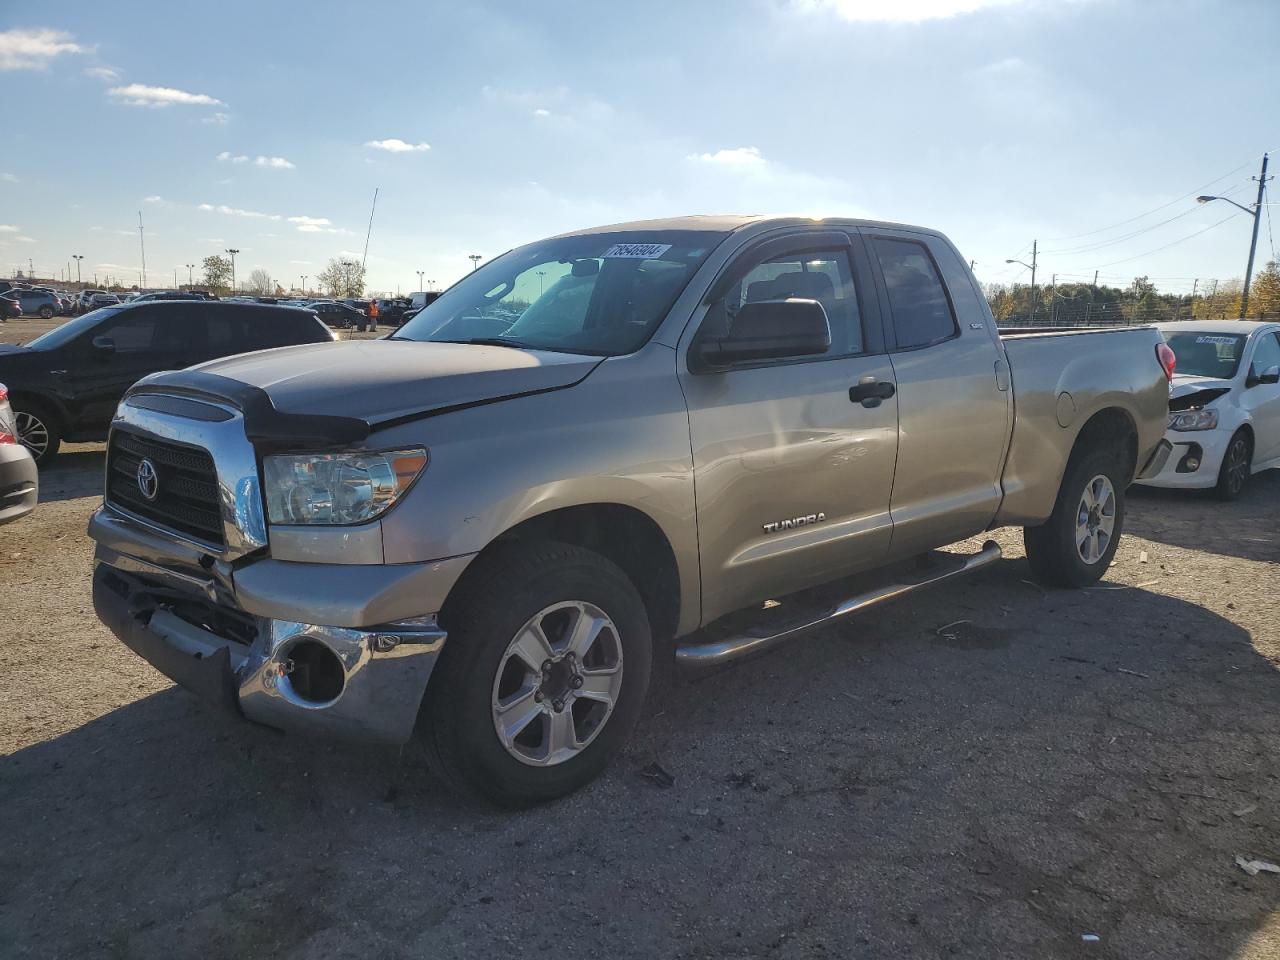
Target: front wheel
x=46, y=312
x=542, y=677
x=1074, y=547
x=1237, y=464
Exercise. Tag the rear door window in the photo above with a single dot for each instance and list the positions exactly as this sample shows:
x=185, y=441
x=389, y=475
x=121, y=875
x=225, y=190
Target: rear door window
x=922, y=313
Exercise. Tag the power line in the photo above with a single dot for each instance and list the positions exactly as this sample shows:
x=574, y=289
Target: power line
x=1168, y=245
x=1163, y=206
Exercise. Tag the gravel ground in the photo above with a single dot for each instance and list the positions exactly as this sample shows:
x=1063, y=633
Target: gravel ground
x=1058, y=764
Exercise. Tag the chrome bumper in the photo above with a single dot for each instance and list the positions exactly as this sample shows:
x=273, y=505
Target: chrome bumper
x=372, y=679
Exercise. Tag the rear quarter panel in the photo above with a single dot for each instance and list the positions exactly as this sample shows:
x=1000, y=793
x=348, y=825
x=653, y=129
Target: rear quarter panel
x=1060, y=381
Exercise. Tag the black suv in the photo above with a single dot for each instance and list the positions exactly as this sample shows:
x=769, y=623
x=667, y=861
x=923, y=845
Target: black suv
x=66, y=384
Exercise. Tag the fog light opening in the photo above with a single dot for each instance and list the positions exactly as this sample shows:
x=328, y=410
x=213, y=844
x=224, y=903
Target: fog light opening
x=315, y=675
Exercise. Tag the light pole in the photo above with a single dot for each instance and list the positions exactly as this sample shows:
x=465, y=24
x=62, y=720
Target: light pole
x=190, y=282
x=304, y=283
x=347, y=283
x=233, y=268
x=475, y=259
x=420, y=273
x=1032, y=267
x=1256, y=212
x=77, y=257
x=541, y=274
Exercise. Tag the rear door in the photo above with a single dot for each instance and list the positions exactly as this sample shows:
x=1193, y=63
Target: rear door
x=1262, y=400
x=792, y=474
x=953, y=399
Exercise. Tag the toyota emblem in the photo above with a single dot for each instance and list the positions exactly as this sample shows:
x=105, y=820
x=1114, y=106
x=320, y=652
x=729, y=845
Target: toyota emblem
x=148, y=482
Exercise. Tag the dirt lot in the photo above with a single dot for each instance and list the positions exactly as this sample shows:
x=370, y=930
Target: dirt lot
x=1059, y=764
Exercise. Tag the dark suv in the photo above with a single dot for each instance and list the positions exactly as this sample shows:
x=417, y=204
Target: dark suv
x=65, y=385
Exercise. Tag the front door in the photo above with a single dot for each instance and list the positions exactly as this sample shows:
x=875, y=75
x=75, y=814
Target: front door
x=1262, y=400
x=792, y=474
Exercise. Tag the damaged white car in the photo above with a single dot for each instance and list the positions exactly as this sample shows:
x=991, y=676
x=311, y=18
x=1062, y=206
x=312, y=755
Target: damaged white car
x=1224, y=404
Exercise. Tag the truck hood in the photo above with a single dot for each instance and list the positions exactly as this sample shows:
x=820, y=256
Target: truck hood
x=381, y=380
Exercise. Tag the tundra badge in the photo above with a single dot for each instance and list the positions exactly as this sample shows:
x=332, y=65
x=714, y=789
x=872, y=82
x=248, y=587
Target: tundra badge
x=779, y=525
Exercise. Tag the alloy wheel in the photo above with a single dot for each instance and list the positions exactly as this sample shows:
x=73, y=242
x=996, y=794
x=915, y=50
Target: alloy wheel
x=557, y=683
x=32, y=432
x=1095, y=519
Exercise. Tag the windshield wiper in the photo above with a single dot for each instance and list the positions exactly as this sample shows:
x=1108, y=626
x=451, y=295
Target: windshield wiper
x=492, y=342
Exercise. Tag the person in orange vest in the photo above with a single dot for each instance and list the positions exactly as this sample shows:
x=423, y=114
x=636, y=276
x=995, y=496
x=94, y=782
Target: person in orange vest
x=373, y=314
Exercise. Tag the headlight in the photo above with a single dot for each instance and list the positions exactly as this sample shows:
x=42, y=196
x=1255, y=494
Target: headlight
x=338, y=488
x=1185, y=420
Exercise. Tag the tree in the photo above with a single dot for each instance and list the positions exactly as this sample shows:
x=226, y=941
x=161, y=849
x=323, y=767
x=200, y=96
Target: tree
x=1264, y=294
x=260, y=282
x=217, y=273
x=342, y=278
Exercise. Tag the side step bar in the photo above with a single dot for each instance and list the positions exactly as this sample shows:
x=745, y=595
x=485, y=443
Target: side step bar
x=716, y=652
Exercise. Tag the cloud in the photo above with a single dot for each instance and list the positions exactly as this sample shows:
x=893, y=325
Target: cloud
x=102, y=73
x=218, y=119
x=396, y=145
x=212, y=240
x=154, y=198
x=899, y=11
x=25, y=239
x=542, y=112
x=226, y=157
x=273, y=163
x=237, y=211
x=34, y=49
x=8, y=228
x=740, y=157
x=9, y=178
x=301, y=263
x=316, y=225
x=141, y=95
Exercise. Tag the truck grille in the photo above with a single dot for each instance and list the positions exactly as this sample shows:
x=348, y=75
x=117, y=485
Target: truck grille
x=186, y=484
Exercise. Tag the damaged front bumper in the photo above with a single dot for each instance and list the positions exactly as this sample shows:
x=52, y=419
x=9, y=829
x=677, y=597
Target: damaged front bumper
x=363, y=683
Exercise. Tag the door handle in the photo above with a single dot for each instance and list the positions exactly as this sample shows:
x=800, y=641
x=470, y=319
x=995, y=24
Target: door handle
x=870, y=392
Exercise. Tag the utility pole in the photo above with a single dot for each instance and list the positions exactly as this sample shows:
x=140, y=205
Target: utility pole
x=1191, y=312
x=1053, y=299
x=143, y=245
x=1253, y=244
x=1032, y=267
x=1213, y=300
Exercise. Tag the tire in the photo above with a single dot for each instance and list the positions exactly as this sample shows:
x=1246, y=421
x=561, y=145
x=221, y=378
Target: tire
x=38, y=430
x=46, y=312
x=1237, y=463
x=1091, y=503
x=480, y=681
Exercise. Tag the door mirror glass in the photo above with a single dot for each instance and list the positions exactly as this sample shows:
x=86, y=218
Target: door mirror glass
x=104, y=344
x=1270, y=375
x=770, y=330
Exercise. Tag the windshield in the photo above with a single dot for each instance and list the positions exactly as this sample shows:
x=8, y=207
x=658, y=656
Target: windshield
x=1207, y=354
x=601, y=294
x=64, y=334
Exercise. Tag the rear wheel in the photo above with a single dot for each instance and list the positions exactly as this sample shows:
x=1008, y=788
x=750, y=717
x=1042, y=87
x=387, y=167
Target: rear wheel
x=543, y=675
x=46, y=312
x=38, y=431
x=1237, y=464
x=1074, y=547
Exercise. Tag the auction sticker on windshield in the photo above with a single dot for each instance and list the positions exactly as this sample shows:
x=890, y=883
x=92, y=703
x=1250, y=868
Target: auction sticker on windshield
x=636, y=251
x=1227, y=340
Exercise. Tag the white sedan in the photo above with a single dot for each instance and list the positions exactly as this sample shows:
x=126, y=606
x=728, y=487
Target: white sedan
x=1224, y=404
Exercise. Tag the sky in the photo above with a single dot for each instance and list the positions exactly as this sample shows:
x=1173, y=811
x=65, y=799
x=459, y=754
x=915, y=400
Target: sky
x=1088, y=125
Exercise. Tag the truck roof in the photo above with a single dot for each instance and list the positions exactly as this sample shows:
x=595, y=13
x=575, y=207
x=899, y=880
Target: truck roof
x=727, y=223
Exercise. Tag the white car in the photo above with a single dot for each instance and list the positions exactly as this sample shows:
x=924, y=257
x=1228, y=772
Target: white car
x=1224, y=404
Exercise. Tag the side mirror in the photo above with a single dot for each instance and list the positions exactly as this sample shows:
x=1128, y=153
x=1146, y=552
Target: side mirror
x=1270, y=375
x=770, y=330
x=104, y=344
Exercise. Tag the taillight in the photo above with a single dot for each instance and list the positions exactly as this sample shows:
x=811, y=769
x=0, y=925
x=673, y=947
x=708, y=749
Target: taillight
x=8, y=430
x=1168, y=360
